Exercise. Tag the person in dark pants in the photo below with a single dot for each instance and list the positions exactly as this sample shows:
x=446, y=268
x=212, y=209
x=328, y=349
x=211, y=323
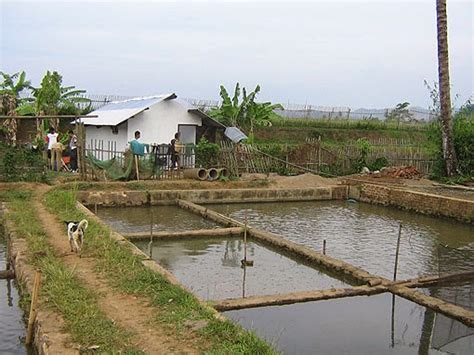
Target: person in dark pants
x=73, y=150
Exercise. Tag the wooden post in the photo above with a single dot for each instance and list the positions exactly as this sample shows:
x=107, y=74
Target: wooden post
x=397, y=252
x=136, y=167
x=324, y=247
x=150, y=244
x=245, y=238
x=33, y=307
x=95, y=208
x=319, y=153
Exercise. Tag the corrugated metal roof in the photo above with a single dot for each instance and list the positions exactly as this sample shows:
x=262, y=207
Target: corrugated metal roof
x=235, y=134
x=117, y=112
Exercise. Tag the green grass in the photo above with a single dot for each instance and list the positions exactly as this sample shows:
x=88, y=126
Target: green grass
x=61, y=289
x=174, y=305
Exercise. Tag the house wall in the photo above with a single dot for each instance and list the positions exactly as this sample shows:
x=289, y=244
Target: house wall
x=104, y=133
x=160, y=122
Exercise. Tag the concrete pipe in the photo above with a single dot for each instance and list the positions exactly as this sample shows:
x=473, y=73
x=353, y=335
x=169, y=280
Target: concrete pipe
x=223, y=172
x=198, y=173
x=212, y=174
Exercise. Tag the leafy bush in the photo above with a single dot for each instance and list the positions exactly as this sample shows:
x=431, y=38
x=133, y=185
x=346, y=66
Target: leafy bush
x=22, y=164
x=463, y=139
x=207, y=154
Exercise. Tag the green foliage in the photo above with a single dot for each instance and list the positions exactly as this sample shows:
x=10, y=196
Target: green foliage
x=370, y=124
x=463, y=140
x=378, y=164
x=365, y=148
x=246, y=113
x=53, y=99
x=207, y=154
x=400, y=113
x=10, y=89
x=22, y=164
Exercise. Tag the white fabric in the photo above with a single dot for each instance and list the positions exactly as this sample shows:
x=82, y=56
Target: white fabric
x=52, y=139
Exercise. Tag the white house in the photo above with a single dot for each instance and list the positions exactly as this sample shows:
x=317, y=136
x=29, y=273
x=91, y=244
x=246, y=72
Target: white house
x=157, y=118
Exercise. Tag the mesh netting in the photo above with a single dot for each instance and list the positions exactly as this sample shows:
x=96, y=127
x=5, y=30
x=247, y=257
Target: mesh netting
x=124, y=169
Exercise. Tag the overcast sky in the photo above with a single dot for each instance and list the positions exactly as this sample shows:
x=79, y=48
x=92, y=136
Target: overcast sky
x=329, y=53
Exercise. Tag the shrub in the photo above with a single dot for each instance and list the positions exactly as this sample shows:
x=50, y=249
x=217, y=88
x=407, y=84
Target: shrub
x=207, y=154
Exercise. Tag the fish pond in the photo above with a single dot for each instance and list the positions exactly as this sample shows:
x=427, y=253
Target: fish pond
x=12, y=326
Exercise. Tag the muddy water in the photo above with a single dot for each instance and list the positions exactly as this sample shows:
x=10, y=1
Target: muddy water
x=211, y=268
x=163, y=218
x=359, y=325
x=12, y=327
x=366, y=235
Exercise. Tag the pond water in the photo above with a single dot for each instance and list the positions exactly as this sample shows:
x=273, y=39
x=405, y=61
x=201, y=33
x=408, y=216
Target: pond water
x=366, y=235
x=163, y=218
x=12, y=326
x=359, y=325
x=211, y=268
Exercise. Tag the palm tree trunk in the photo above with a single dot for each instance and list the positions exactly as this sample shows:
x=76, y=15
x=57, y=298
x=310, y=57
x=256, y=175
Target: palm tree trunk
x=444, y=89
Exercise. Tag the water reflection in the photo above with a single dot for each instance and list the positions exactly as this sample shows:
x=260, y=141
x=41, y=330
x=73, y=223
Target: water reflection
x=211, y=267
x=157, y=218
x=359, y=325
x=366, y=235
x=12, y=327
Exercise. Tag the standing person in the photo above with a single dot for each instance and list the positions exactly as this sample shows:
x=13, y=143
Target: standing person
x=175, y=150
x=138, y=150
x=51, y=138
x=73, y=150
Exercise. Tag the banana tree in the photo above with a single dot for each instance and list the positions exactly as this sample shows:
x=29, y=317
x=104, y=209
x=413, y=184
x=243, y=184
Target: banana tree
x=10, y=94
x=53, y=99
x=233, y=111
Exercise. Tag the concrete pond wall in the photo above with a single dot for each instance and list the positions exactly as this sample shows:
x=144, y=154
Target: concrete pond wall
x=425, y=203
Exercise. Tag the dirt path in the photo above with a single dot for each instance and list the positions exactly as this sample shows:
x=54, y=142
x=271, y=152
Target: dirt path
x=128, y=312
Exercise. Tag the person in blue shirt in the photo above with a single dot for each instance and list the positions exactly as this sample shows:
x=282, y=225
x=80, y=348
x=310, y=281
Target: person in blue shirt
x=138, y=148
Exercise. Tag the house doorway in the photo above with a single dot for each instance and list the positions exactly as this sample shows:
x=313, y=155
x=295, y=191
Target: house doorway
x=187, y=134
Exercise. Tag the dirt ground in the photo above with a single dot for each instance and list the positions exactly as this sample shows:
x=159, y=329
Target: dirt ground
x=129, y=312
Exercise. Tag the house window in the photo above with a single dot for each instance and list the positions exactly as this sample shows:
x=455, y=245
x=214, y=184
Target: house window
x=114, y=129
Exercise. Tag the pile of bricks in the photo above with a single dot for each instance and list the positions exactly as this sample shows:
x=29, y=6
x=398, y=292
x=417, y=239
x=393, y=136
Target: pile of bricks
x=405, y=172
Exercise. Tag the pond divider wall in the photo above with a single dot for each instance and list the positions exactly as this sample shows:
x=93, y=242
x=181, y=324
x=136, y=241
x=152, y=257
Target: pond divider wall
x=197, y=233
x=425, y=203
x=168, y=197
x=296, y=297
x=48, y=334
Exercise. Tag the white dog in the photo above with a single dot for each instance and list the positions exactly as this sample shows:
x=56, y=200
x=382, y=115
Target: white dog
x=75, y=233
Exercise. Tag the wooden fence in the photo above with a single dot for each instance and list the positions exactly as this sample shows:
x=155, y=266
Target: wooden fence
x=314, y=157
x=156, y=164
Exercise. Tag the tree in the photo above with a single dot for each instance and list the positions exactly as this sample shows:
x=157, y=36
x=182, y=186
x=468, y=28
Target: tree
x=400, y=113
x=444, y=90
x=245, y=113
x=10, y=95
x=233, y=112
x=51, y=98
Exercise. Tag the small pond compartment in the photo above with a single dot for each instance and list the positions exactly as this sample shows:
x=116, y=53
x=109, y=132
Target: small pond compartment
x=365, y=235
x=382, y=324
x=12, y=326
x=211, y=268
x=163, y=218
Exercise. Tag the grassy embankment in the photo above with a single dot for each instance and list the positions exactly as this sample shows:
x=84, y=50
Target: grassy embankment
x=61, y=289
x=174, y=306
x=339, y=132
